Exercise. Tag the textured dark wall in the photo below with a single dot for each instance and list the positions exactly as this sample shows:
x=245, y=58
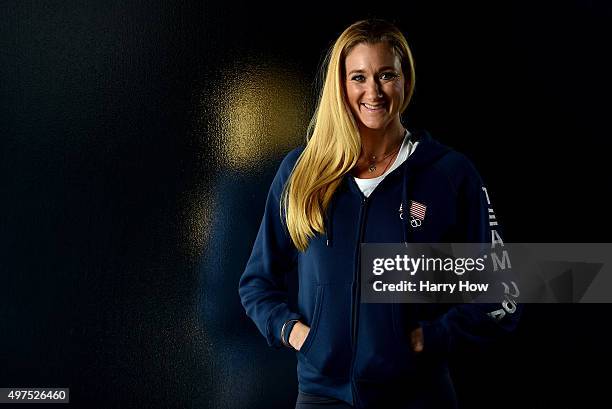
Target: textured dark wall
x=138, y=143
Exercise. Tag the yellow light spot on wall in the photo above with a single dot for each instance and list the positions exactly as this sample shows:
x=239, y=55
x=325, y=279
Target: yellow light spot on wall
x=263, y=112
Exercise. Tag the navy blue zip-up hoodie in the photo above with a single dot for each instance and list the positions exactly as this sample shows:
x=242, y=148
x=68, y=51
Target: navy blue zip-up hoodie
x=357, y=352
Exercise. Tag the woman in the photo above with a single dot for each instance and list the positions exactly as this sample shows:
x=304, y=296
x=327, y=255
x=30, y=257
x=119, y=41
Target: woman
x=363, y=177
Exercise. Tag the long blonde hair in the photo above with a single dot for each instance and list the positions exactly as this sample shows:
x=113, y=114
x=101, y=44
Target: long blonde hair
x=333, y=142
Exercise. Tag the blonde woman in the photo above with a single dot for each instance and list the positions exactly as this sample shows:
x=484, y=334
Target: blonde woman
x=364, y=177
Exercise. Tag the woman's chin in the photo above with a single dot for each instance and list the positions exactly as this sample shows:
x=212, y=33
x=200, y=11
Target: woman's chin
x=374, y=125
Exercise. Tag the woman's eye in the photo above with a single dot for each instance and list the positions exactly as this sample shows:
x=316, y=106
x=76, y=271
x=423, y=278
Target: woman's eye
x=388, y=75
x=358, y=78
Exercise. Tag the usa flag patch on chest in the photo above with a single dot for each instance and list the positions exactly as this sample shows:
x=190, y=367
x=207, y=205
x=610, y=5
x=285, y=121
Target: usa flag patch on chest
x=417, y=213
x=417, y=210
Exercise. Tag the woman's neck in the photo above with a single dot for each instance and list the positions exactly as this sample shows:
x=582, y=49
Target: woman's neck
x=377, y=143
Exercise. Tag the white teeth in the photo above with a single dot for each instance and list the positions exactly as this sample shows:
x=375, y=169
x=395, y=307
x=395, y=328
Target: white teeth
x=373, y=106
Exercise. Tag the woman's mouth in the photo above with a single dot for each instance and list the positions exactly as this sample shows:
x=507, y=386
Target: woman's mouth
x=373, y=107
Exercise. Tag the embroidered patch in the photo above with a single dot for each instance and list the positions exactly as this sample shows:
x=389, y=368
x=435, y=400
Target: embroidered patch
x=417, y=213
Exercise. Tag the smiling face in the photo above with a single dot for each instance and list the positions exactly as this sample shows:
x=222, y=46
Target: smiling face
x=374, y=84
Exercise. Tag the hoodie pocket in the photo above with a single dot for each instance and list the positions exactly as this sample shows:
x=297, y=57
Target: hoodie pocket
x=383, y=348
x=404, y=323
x=401, y=326
x=432, y=338
x=327, y=348
x=314, y=324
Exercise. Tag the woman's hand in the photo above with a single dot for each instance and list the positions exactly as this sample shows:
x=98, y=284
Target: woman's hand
x=298, y=334
x=416, y=339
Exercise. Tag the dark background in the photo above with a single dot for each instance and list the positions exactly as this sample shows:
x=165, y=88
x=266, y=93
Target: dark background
x=139, y=140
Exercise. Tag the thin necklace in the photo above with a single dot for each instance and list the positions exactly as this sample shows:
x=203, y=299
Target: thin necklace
x=372, y=167
x=388, y=163
x=373, y=161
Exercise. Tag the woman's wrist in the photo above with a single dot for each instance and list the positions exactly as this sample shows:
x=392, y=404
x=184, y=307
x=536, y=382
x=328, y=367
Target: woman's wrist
x=286, y=331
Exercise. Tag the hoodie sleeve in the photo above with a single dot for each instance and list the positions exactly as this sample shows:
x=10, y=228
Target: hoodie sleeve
x=478, y=323
x=262, y=287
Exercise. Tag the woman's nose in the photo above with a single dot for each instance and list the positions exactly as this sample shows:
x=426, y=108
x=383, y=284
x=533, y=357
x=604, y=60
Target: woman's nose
x=374, y=90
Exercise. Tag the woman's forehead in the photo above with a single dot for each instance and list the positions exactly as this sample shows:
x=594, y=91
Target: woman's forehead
x=364, y=55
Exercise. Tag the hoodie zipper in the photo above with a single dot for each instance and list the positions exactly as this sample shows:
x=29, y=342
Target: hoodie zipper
x=357, y=293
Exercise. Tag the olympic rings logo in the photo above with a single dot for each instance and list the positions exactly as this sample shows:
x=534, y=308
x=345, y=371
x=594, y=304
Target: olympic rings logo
x=414, y=222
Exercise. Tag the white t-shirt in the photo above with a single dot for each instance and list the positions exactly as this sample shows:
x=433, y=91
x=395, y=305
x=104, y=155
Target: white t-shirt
x=367, y=186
